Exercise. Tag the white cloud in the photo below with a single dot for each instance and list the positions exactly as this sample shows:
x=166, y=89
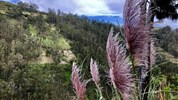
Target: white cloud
x=8, y=0
x=167, y=22
x=92, y=7
x=63, y=5
x=116, y=5
x=86, y=7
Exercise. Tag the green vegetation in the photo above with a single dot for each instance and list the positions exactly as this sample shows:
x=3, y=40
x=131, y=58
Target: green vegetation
x=27, y=36
x=62, y=43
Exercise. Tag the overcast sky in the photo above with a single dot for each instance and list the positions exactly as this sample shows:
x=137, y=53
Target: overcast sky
x=81, y=7
x=87, y=7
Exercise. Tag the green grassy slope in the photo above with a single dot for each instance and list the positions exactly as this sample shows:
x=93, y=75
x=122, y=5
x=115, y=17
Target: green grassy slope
x=51, y=37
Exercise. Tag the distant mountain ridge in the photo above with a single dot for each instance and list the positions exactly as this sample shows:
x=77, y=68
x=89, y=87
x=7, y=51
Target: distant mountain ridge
x=115, y=19
x=107, y=19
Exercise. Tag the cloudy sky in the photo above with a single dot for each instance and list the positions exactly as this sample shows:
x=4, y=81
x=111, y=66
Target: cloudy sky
x=88, y=7
x=81, y=7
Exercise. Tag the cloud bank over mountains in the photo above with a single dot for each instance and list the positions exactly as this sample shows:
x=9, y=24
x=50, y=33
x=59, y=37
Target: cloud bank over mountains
x=89, y=8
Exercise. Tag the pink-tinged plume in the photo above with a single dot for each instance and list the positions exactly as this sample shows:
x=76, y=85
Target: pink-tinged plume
x=94, y=71
x=136, y=32
x=78, y=85
x=95, y=75
x=120, y=75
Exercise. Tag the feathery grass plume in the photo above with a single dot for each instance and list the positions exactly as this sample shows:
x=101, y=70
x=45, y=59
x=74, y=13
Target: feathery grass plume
x=78, y=85
x=95, y=76
x=119, y=73
x=94, y=71
x=136, y=32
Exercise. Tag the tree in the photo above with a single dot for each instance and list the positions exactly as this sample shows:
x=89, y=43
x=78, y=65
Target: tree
x=16, y=51
x=52, y=16
x=28, y=6
x=160, y=9
x=33, y=6
x=167, y=39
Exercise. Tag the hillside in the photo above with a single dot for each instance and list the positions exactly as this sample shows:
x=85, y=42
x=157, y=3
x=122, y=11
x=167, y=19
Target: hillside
x=37, y=50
